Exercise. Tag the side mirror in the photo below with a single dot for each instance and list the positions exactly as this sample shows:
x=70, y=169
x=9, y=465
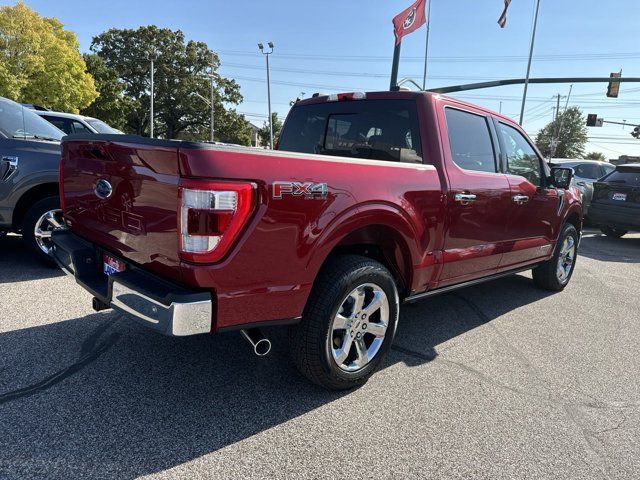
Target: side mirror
x=561, y=177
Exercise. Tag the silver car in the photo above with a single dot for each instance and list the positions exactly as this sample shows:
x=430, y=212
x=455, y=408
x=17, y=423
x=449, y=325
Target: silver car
x=71, y=123
x=586, y=172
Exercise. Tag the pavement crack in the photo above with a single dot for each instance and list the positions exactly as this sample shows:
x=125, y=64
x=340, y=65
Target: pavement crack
x=90, y=351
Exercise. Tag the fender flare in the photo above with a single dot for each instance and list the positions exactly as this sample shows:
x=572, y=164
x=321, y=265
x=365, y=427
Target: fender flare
x=363, y=216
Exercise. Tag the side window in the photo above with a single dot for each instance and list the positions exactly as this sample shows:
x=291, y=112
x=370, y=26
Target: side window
x=80, y=128
x=521, y=157
x=62, y=123
x=587, y=170
x=470, y=140
x=606, y=170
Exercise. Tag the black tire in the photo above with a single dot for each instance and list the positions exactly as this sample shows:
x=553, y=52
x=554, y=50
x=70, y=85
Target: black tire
x=546, y=274
x=28, y=226
x=311, y=340
x=614, y=232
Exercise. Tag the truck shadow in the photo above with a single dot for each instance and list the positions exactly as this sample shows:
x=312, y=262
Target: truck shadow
x=598, y=246
x=100, y=396
x=18, y=264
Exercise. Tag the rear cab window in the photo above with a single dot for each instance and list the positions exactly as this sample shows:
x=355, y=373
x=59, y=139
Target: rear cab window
x=470, y=141
x=625, y=176
x=366, y=129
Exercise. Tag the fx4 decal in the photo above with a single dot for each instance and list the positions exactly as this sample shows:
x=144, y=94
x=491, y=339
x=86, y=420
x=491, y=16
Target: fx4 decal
x=300, y=189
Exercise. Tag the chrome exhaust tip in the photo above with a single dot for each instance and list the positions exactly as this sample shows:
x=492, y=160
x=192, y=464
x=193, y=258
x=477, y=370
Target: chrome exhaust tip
x=261, y=345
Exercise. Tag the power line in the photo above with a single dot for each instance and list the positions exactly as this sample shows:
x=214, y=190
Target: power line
x=351, y=74
x=488, y=58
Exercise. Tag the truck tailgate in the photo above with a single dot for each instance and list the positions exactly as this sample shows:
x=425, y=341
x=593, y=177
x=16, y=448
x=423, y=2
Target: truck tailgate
x=123, y=196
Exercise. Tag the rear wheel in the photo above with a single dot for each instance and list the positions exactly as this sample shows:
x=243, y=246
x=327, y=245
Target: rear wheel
x=555, y=273
x=348, y=324
x=613, y=232
x=40, y=221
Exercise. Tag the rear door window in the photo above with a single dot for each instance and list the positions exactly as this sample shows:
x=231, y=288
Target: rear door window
x=367, y=129
x=470, y=141
x=590, y=171
x=63, y=124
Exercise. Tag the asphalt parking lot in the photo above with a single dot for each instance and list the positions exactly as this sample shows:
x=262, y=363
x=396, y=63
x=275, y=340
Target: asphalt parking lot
x=501, y=380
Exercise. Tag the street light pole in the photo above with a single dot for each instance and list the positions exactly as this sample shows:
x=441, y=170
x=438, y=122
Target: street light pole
x=212, y=111
x=212, y=119
x=266, y=54
x=526, y=82
x=151, y=120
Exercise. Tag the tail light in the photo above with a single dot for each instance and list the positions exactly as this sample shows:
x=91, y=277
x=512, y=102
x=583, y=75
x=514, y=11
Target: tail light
x=212, y=215
x=61, y=182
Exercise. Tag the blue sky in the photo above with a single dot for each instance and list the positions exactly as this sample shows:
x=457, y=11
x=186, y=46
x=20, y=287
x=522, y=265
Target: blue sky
x=338, y=45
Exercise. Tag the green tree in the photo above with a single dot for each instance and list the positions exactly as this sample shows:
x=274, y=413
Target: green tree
x=111, y=106
x=572, y=136
x=181, y=68
x=40, y=61
x=265, y=134
x=596, y=156
x=231, y=127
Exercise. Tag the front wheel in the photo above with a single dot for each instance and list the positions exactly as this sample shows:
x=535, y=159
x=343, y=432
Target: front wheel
x=613, y=232
x=348, y=324
x=555, y=273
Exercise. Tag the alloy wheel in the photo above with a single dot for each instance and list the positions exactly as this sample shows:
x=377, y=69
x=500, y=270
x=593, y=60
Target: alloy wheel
x=566, y=259
x=359, y=328
x=46, y=224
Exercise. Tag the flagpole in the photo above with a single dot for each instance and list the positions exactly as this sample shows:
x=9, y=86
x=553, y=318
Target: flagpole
x=526, y=81
x=395, y=65
x=426, y=47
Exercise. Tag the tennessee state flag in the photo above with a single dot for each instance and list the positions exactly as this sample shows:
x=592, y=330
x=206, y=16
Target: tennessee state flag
x=409, y=20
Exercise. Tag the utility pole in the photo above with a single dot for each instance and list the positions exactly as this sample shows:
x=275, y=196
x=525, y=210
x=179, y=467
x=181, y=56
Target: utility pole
x=526, y=82
x=266, y=54
x=566, y=105
x=212, y=119
x=556, y=130
x=151, y=98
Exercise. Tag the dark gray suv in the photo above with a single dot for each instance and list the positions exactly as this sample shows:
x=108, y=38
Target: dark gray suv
x=29, y=195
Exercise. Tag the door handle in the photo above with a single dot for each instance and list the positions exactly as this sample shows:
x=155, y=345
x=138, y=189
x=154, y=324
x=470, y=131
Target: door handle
x=465, y=198
x=520, y=199
x=11, y=167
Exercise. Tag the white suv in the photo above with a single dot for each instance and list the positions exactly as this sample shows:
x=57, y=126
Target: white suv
x=70, y=123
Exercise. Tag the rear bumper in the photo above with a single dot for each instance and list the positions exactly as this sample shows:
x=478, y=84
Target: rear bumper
x=627, y=218
x=158, y=304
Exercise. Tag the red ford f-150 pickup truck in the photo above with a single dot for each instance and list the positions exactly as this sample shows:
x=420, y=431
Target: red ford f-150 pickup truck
x=369, y=201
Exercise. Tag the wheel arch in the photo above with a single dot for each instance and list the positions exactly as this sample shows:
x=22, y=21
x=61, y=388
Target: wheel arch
x=574, y=217
x=381, y=233
x=30, y=197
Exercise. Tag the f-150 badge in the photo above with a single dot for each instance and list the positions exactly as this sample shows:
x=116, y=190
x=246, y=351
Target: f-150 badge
x=300, y=189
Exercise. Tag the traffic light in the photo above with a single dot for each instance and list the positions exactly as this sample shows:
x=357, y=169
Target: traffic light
x=636, y=132
x=592, y=119
x=614, y=87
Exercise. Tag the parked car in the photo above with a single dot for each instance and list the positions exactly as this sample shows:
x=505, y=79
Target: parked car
x=585, y=173
x=371, y=200
x=29, y=196
x=71, y=123
x=616, y=201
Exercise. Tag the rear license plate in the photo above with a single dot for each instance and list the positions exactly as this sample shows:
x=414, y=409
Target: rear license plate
x=110, y=265
x=619, y=196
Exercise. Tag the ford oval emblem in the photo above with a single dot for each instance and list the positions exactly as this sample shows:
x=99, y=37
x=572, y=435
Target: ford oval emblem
x=103, y=189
